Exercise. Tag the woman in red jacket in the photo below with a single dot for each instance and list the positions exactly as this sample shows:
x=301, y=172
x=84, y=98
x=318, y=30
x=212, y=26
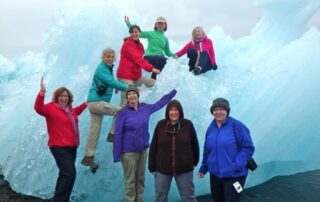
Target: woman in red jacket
x=63, y=131
x=200, y=52
x=132, y=62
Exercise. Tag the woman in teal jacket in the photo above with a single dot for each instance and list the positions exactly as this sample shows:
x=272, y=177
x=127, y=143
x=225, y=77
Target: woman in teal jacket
x=227, y=148
x=158, y=44
x=99, y=97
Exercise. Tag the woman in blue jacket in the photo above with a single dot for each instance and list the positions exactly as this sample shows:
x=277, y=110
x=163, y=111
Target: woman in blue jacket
x=132, y=140
x=227, y=148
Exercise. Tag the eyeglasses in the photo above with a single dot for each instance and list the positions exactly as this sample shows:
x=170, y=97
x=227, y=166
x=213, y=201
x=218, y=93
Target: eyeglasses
x=63, y=96
x=174, y=129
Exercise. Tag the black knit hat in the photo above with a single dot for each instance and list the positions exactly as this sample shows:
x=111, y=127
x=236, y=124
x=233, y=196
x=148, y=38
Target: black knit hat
x=132, y=88
x=220, y=102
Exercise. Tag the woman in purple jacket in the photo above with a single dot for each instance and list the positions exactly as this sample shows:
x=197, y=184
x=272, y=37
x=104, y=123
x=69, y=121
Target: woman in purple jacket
x=132, y=140
x=200, y=52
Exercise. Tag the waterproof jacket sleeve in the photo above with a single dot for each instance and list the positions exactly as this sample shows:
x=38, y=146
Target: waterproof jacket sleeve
x=195, y=146
x=167, y=50
x=118, y=137
x=153, y=151
x=79, y=109
x=208, y=46
x=246, y=146
x=39, y=105
x=184, y=49
x=137, y=58
x=106, y=77
x=204, y=166
x=163, y=101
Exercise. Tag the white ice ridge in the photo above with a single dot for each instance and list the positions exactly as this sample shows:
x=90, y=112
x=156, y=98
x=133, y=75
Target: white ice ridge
x=271, y=78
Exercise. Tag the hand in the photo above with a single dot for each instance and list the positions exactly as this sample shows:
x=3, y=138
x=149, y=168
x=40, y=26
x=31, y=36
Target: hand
x=116, y=91
x=200, y=175
x=156, y=71
x=42, y=86
x=126, y=19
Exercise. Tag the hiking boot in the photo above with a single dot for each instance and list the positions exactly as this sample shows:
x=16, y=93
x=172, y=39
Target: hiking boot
x=88, y=161
x=110, y=137
x=197, y=70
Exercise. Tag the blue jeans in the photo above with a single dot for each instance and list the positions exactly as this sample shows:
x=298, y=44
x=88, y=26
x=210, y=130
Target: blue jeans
x=184, y=183
x=157, y=62
x=204, y=61
x=222, y=189
x=65, y=158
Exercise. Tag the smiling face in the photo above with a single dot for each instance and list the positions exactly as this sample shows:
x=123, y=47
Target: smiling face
x=220, y=114
x=174, y=115
x=160, y=26
x=135, y=34
x=63, y=99
x=132, y=98
x=109, y=58
x=198, y=33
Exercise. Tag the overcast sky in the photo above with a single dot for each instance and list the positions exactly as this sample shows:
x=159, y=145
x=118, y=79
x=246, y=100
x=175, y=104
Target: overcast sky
x=24, y=23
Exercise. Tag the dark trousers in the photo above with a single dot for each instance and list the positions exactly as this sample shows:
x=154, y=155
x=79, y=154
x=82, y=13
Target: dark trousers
x=157, y=62
x=204, y=60
x=65, y=159
x=222, y=190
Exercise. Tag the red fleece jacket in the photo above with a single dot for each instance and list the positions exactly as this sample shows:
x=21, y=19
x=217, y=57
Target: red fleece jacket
x=59, y=125
x=132, y=61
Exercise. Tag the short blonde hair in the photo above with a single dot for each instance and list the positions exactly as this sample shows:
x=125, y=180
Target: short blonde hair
x=194, y=30
x=108, y=51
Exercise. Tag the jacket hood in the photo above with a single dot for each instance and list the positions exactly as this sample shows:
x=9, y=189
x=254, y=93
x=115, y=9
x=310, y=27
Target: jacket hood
x=177, y=104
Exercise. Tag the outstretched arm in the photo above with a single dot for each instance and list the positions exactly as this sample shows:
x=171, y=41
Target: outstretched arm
x=163, y=101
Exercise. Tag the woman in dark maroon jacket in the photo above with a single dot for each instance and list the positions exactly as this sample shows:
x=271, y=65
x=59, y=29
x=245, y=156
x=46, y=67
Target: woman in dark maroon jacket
x=63, y=131
x=174, y=152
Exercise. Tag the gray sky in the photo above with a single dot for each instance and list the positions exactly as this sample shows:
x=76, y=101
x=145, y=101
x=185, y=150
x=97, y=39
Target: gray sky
x=23, y=25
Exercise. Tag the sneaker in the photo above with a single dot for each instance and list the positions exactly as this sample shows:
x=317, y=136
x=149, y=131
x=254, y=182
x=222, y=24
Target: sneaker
x=88, y=161
x=110, y=137
x=197, y=70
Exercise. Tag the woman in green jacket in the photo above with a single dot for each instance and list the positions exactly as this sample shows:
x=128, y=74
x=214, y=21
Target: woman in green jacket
x=99, y=105
x=158, y=44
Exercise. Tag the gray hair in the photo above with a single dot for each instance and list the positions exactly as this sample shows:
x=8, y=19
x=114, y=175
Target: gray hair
x=106, y=51
x=194, y=30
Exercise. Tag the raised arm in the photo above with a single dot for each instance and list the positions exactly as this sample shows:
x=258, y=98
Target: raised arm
x=39, y=103
x=163, y=101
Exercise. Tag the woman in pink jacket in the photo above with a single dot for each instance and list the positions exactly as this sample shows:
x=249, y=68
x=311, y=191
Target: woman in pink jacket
x=200, y=52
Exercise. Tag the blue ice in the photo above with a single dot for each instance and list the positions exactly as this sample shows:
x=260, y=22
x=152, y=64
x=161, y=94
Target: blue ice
x=271, y=78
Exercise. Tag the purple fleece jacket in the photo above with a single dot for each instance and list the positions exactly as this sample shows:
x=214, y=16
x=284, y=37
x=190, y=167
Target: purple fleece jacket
x=132, y=127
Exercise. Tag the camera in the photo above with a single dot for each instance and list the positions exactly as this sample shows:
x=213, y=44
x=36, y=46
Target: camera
x=101, y=90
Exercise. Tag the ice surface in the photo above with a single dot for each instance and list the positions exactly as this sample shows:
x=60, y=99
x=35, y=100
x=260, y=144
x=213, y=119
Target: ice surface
x=270, y=77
